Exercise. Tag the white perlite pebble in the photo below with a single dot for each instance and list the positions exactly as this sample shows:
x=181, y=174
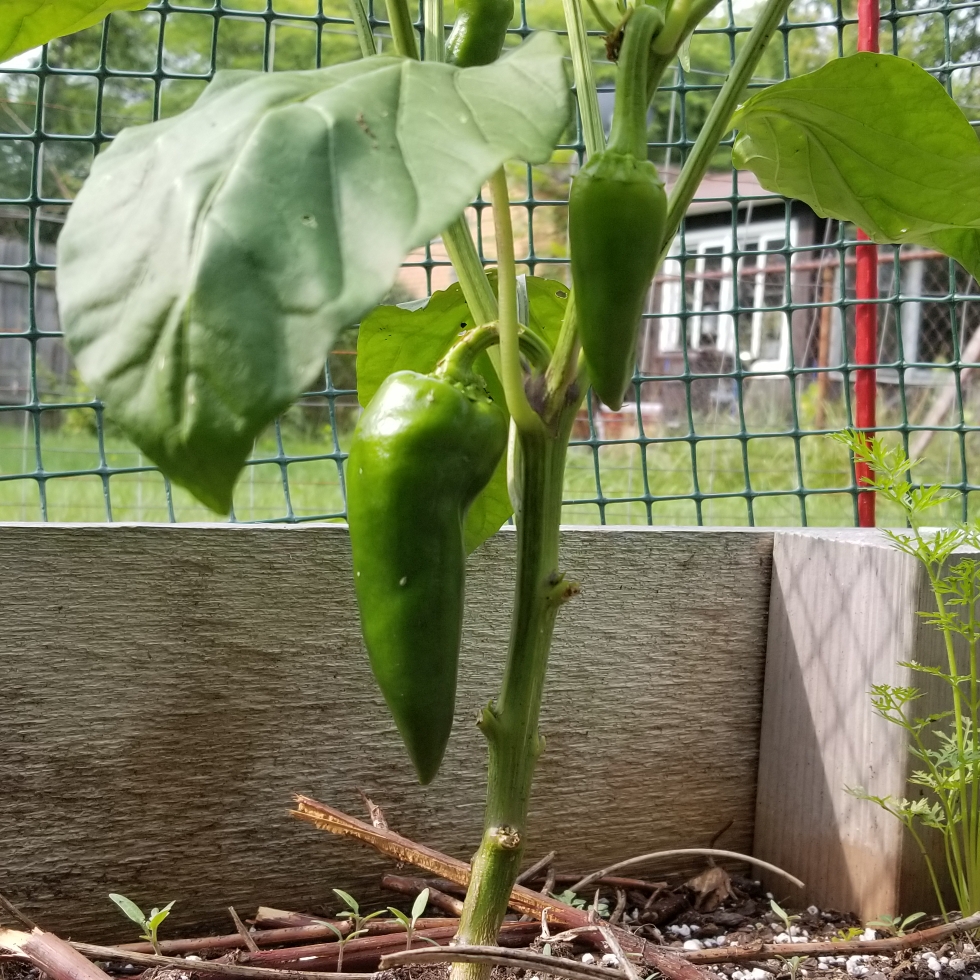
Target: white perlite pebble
x=812, y=909
x=611, y=959
x=957, y=965
x=588, y=959
x=759, y=974
x=693, y=944
x=868, y=934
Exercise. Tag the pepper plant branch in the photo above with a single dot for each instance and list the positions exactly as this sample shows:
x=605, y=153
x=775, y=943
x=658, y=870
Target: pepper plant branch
x=564, y=362
x=719, y=118
x=402, y=28
x=434, y=36
x=585, y=87
x=362, y=27
x=512, y=375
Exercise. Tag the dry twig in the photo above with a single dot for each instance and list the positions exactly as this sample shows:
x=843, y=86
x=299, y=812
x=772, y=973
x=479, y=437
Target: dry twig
x=208, y=967
x=617, y=950
x=9, y=906
x=413, y=886
x=242, y=931
x=518, y=958
x=764, y=951
x=545, y=862
x=591, y=879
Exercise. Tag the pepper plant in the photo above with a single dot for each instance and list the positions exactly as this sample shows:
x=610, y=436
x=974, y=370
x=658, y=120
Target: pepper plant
x=212, y=258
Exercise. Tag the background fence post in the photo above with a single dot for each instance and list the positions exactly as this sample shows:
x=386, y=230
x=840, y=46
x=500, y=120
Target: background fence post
x=866, y=314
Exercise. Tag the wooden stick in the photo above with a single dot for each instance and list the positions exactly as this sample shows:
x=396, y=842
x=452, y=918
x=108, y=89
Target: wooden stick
x=871, y=947
x=591, y=879
x=9, y=906
x=522, y=899
x=413, y=886
x=208, y=967
x=365, y=951
x=242, y=931
x=51, y=955
x=317, y=929
x=521, y=959
x=527, y=875
x=617, y=950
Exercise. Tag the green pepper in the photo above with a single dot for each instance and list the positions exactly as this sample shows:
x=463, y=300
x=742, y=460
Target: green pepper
x=617, y=212
x=424, y=448
x=477, y=37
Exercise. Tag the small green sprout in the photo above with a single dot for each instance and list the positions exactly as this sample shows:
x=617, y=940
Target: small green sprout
x=357, y=923
x=409, y=922
x=846, y=935
x=792, y=964
x=571, y=898
x=895, y=925
x=784, y=917
x=148, y=923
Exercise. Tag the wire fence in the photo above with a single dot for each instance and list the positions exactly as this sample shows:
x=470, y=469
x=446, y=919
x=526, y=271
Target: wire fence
x=746, y=355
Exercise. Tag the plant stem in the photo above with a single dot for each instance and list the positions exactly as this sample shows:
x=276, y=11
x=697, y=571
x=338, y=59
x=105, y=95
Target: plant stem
x=629, y=127
x=477, y=290
x=585, y=88
x=402, y=28
x=561, y=371
x=434, y=36
x=362, y=27
x=512, y=374
x=719, y=118
x=511, y=724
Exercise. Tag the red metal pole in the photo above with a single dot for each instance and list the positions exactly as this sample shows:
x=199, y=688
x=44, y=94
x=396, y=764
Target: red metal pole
x=866, y=315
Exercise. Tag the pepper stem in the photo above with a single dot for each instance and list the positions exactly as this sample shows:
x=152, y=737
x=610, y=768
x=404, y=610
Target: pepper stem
x=512, y=375
x=511, y=724
x=629, y=126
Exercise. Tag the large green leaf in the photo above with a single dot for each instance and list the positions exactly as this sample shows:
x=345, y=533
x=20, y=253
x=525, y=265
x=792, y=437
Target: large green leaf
x=25, y=24
x=393, y=338
x=211, y=258
x=875, y=140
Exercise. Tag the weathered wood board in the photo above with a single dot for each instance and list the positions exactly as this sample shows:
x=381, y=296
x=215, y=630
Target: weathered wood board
x=844, y=614
x=165, y=689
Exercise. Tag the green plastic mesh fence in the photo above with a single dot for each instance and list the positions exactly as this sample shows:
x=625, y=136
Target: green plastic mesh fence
x=745, y=360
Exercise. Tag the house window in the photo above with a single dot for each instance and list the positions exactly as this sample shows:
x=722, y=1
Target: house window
x=704, y=290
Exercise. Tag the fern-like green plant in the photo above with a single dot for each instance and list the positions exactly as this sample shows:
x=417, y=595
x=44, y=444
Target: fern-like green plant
x=944, y=744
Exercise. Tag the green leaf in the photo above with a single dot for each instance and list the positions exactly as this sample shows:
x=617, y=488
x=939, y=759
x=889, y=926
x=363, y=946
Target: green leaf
x=875, y=140
x=130, y=909
x=211, y=259
x=401, y=917
x=418, y=906
x=157, y=916
x=26, y=24
x=392, y=338
x=348, y=900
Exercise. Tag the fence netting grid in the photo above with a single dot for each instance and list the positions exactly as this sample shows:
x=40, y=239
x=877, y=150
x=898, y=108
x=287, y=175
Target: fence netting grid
x=746, y=354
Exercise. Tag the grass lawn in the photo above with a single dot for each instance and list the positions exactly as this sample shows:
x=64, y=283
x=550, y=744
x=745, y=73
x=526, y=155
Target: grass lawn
x=616, y=483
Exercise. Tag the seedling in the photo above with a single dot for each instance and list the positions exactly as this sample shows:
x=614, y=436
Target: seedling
x=783, y=916
x=846, y=935
x=792, y=964
x=418, y=907
x=148, y=923
x=895, y=925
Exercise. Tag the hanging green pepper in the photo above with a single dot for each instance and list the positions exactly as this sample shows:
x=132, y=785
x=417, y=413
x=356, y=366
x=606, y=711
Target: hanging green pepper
x=424, y=448
x=477, y=37
x=617, y=211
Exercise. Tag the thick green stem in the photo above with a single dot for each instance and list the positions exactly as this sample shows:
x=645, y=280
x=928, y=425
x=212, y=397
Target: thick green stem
x=719, y=118
x=629, y=127
x=511, y=724
x=402, y=28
